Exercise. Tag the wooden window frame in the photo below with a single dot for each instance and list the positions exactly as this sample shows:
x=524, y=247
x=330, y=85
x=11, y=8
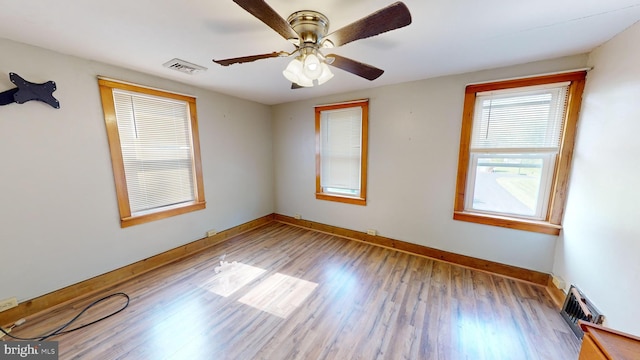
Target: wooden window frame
x=558, y=192
x=106, y=87
x=362, y=199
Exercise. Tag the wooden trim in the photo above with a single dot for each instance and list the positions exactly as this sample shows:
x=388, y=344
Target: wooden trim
x=351, y=102
x=343, y=199
x=556, y=294
x=515, y=272
x=558, y=191
x=195, y=152
x=587, y=69
x=463, y=155
x=561, y=181
x=529, y=81
x=115, y=149
x=123, y=85
x=364, y=153
x=126, y=217
x=507, y=222
x=141, y=219
x=318, y=160
x=112, y=278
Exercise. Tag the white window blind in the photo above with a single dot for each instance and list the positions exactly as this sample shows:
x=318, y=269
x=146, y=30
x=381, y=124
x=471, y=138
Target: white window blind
x=530, y=119
x=155, y=138
x=341, y=150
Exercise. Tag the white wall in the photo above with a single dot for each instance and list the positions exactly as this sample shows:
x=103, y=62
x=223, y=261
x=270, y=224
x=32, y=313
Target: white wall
x=414, y=133
x=599, y=247
x=59, y=221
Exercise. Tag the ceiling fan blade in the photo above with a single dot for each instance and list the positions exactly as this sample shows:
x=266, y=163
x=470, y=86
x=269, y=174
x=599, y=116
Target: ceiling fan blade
x=389, y=18
x=355, y=67
x=295, y=86
x=245, y=59
x=267, y=15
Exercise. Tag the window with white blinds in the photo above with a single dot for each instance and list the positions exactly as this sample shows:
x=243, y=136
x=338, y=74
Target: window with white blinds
x=527, y=118
x=516, y=149
x=514, y=142
x=155, y=137
x=154, y=151
x=341, y=152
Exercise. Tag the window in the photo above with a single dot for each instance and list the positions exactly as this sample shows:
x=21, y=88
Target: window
x=155, y=153
x=341, y=152
x=515, y=151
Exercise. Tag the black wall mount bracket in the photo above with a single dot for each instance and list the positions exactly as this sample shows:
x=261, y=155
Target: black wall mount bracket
x=27, y=91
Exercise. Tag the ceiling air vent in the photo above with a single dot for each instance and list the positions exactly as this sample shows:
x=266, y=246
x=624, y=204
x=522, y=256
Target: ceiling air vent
x=184, y=66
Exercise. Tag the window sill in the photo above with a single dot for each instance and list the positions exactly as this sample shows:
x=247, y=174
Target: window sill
x=508, y=222
x=343, y=199
x=141, y=219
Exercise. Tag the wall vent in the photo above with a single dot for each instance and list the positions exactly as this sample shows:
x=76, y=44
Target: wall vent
x=184, y=66
x=577, y=307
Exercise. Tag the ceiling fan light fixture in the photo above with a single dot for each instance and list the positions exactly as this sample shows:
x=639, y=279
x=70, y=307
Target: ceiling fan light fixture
x=295, y=73
x=304, y=81
x=312, y=67
x=293, y=70
x=326, y=74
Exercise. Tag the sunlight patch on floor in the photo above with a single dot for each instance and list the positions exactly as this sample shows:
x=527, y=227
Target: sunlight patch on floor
x=279, y=294
x=231, y=279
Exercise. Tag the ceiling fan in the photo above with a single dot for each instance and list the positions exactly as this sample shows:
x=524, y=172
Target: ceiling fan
x=307, y=30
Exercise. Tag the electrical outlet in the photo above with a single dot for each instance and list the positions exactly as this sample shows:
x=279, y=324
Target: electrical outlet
x=297, y=216
x=7, y=304
x=372, y=232
x=211, y=233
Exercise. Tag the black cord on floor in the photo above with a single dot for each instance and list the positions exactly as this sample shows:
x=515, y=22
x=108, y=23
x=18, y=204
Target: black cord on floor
x=61, y=330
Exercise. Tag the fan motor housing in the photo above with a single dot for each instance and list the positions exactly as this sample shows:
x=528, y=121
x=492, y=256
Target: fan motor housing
x=311, y=25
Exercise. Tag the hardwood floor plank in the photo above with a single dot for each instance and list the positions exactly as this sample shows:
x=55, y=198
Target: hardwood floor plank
x=302, y=294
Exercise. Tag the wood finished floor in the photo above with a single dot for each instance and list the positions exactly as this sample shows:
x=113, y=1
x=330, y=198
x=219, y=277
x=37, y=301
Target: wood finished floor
x=322, y=297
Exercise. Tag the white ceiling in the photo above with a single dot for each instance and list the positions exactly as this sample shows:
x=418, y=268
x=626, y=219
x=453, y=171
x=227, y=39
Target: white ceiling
x=446, y=37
